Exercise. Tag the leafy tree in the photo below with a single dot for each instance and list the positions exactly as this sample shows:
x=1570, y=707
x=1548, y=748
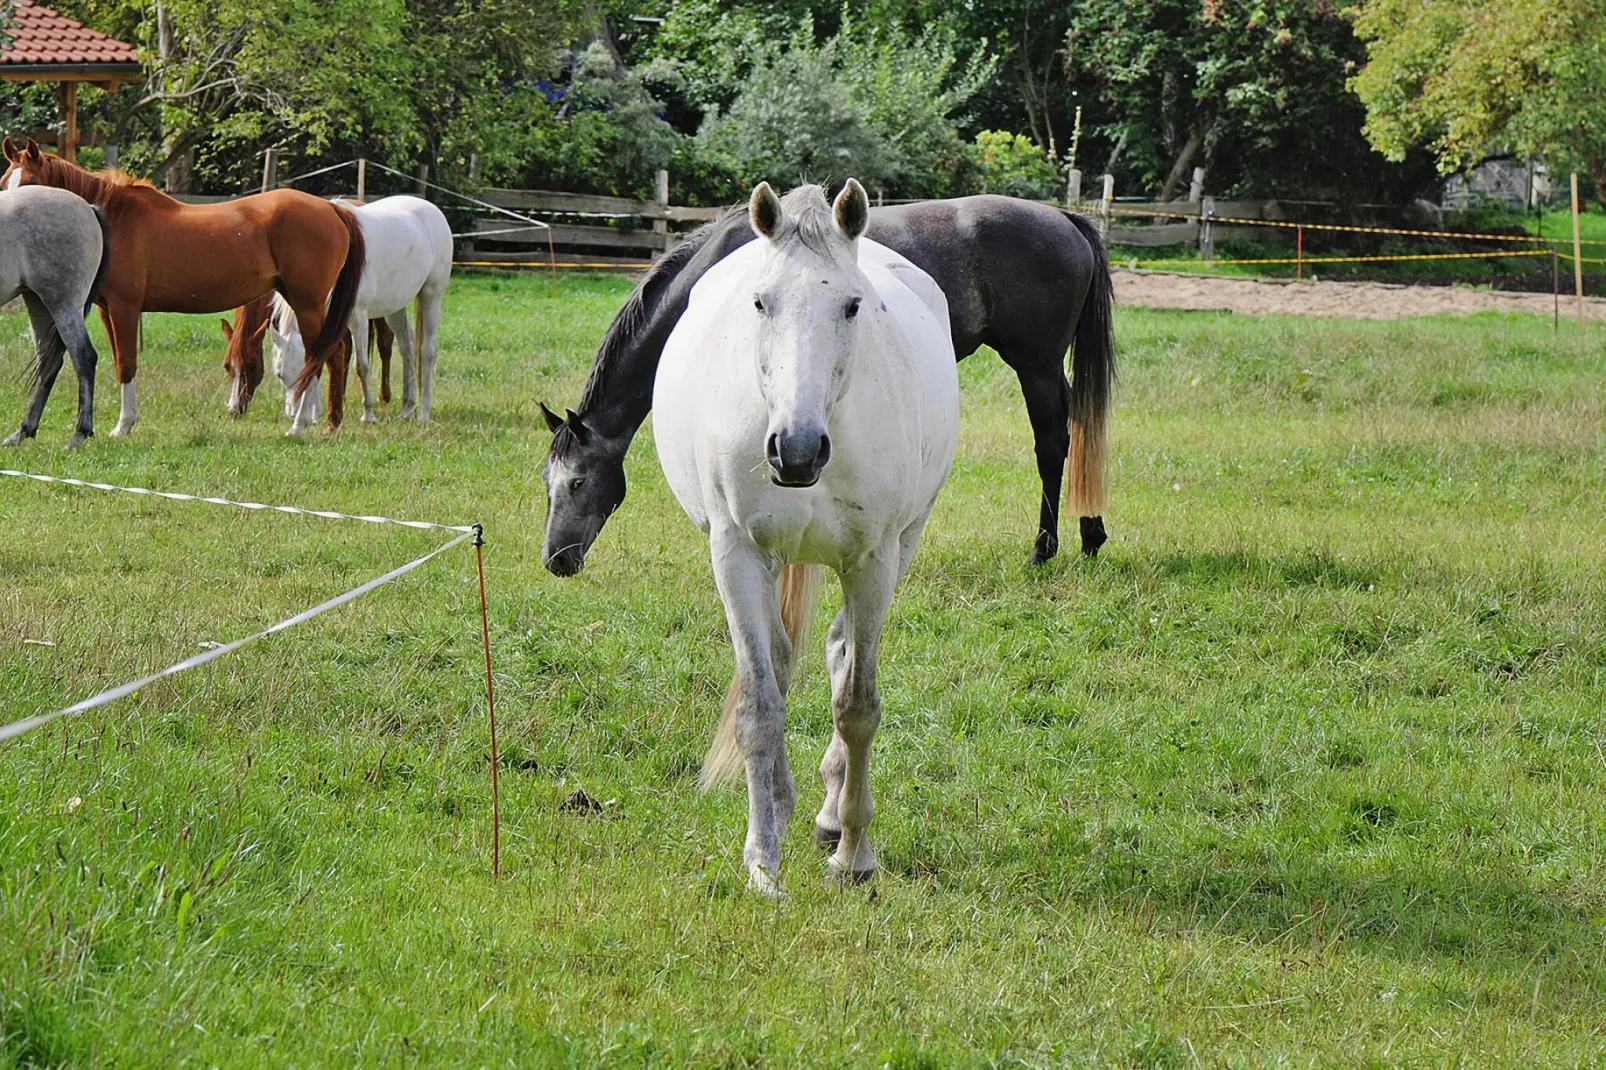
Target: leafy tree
x=1011, y=165
x=1468, y=80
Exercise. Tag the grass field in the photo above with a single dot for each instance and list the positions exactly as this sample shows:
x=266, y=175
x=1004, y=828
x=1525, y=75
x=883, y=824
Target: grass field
x=1308, y=768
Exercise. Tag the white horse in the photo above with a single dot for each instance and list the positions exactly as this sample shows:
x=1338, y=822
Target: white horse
x=806, y=412
x=409, y=258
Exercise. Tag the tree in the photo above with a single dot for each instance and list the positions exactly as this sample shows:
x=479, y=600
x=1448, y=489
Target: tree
x=1469, y=79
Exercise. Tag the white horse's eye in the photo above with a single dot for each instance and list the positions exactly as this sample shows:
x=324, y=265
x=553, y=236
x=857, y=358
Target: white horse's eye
x=853, y=308
x=758, y=303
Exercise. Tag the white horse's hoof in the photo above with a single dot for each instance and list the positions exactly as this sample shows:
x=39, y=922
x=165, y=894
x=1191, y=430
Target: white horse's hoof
x=295, y=432
x=826, y=839
x=760, y=880
x=369, y=417
x=848, y=875
x=13, y=439
x=121, y=429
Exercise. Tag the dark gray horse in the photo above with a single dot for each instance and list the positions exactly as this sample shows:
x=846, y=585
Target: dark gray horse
x=1029, y=280
x=53, y=251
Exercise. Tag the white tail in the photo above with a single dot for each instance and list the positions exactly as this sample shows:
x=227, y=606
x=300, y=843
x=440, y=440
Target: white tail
x=800, y=593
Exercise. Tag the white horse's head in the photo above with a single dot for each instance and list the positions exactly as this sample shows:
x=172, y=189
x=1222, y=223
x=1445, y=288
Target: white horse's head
x=807, y=297
x=289, y=355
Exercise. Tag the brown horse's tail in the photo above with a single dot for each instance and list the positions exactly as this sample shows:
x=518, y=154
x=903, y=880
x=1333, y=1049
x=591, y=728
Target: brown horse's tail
x=800, y=593
x=1092, y=383
x=342, y=299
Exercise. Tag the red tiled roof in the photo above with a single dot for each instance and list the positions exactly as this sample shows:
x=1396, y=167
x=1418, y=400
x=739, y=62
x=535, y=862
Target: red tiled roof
x=41, y=36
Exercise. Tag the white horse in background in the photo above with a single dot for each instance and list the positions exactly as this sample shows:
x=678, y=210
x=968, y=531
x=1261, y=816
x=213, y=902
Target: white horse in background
x=409, y=259
x=806, y=413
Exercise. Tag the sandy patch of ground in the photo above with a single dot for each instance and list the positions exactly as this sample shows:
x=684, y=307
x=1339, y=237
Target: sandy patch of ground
x=1357, y=300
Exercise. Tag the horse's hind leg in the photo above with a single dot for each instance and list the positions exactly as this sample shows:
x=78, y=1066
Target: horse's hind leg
x=1048, y=406
x=84, y=359
x=48, y=350
x=429, y=316
x=403, y=331
x=386, y=341
x=359, y=349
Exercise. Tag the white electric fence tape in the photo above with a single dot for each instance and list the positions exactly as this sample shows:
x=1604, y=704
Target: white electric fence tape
x=27, y=724
x=326, y=514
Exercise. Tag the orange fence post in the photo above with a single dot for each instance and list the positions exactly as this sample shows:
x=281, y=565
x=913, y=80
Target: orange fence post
x=1578, y=256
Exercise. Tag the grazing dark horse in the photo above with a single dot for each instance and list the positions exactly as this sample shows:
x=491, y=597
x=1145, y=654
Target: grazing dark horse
x=53, y=251
x=1028, y=280
x=167, y=256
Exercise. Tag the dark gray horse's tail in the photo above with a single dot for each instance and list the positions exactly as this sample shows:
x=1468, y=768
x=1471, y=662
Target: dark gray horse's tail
x=105, y=257
x=1092, y=385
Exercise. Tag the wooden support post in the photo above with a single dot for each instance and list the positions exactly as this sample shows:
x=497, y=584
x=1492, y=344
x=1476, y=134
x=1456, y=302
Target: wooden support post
x=1196, y=187
x=1578, y=256
x=270, y=169
x=1555, y=289
x=661, y=188
x=1299, y=253
x=111, y=155
x=362, y=178
x=1104, y=207
x=1207, y=237
x=67, y=97
x=1073, y=188
x=420, y=178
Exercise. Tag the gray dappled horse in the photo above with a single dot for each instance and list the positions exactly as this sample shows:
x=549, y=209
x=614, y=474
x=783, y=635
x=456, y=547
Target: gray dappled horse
x=53, y=251
x=1029, y=280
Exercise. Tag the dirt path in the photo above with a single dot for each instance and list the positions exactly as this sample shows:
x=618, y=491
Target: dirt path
x=1358, y=300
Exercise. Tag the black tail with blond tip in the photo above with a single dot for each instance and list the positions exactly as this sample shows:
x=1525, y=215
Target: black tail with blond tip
x=800, y=593
x=1092, y=386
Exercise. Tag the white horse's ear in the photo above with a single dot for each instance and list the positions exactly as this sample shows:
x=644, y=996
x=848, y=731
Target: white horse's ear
x=765, y=211
x=851, y=210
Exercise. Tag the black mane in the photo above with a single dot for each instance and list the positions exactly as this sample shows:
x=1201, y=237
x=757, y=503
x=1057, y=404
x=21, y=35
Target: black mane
x=630, y=319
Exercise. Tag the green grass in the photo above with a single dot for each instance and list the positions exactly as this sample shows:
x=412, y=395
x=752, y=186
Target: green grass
x=1306, y=768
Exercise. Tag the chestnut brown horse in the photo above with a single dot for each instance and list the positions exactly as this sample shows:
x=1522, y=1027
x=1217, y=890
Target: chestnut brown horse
x=167, y=256
x=242, y=355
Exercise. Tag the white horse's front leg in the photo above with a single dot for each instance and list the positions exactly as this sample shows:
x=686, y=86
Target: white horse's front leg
x=359, y=350
x=856, y=707
x=747, y=584
x=834, y=766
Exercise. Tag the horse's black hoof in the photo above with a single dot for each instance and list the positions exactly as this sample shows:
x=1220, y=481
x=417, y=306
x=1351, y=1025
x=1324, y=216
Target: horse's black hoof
x=827, y=839
x=1045, y=550
x=1093, y=535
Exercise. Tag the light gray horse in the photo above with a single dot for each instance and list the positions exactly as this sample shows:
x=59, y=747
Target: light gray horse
x=53, y=251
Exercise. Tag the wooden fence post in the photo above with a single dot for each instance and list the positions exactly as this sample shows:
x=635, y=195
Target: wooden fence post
x=661, y=224
x=421, y=179
x=1207, y=237
x=362, y=178
x=1104, y=207
x=270, y=169
x=1073, y=188
x=1578, y=256
x=1196, y=187
x=69, y=121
